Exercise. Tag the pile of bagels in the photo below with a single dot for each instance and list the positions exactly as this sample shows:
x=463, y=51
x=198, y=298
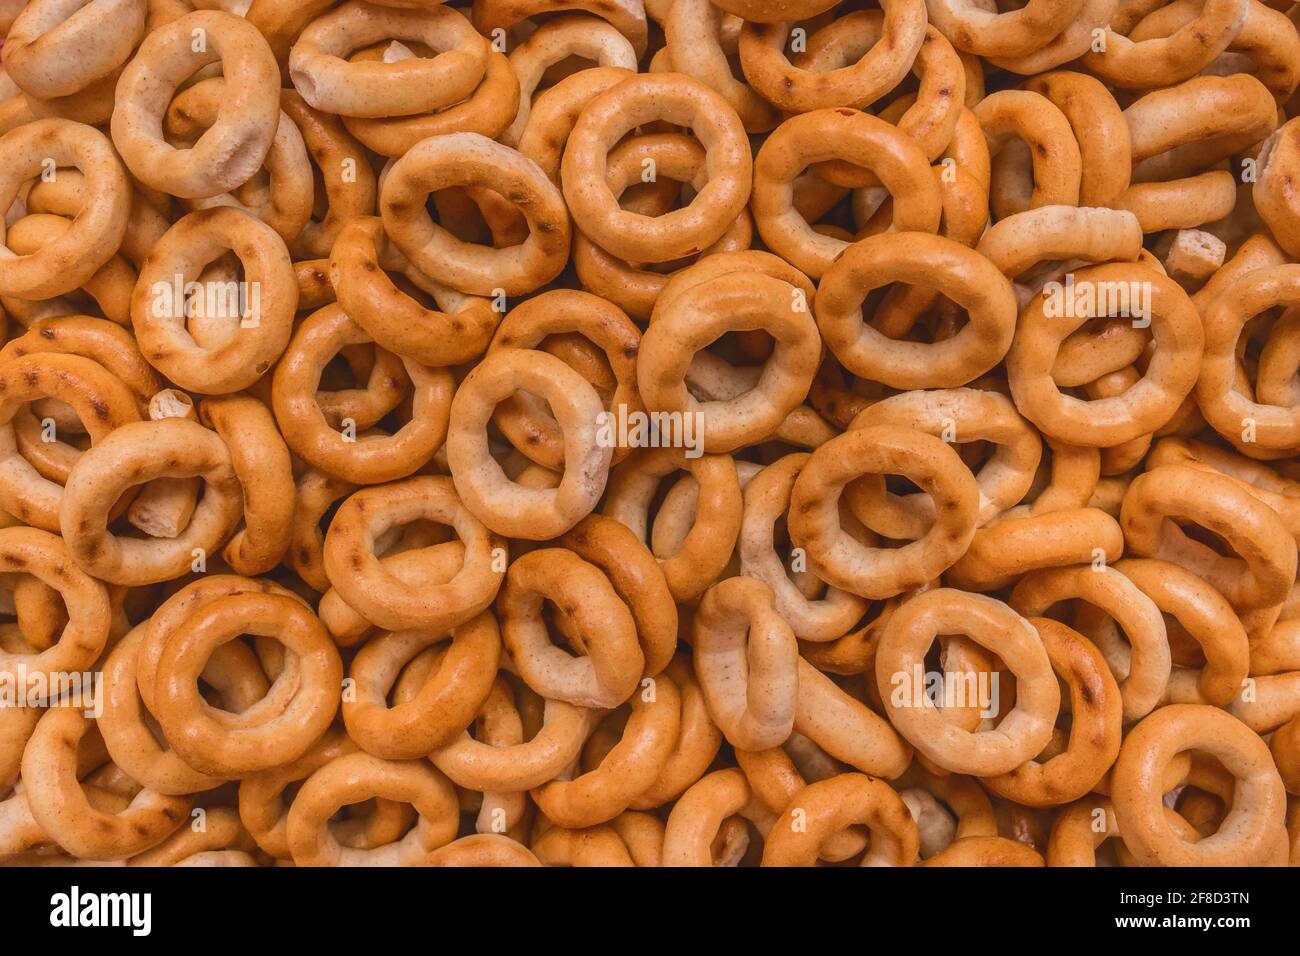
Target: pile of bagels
x=649, y=433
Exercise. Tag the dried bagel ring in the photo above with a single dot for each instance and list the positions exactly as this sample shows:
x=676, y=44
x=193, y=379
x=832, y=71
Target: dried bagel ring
x=636, y=101
x=1096, y=717
x=312, y=668
x=285, y=201
x=1141, y=409
x=503, y=505
x=560, y=731
x=85, y=635
x=383, y=597
x=565, y=312
x=957, y=416
x=488, y=111
x=264, y=810
x=101, y=402
x=1230, y=411
x=600, y=624
x=853, y=137
x=827, y=807
x=1259, y=570
x=974, y=28
x=1167, y=60
x=958, y=272
x=57, y=48
x=840, y=559
x=796, y=90
x=1022, y=733
x=443, y=705
x=366, y=457
x=369, y=89
x=60, y=806
x=353, y=778
x=262, y=464
x=235, y=146
x=96, y=233
x=1143, y=667
x=1258, y=798
x=469, y=159
x=698, y=315
x=630, y=766
x=585, y=37
x=255, y=318
x=745, y=656
x=134, y=454
x=395, y=319
x=767, y=499
x=711, y=537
